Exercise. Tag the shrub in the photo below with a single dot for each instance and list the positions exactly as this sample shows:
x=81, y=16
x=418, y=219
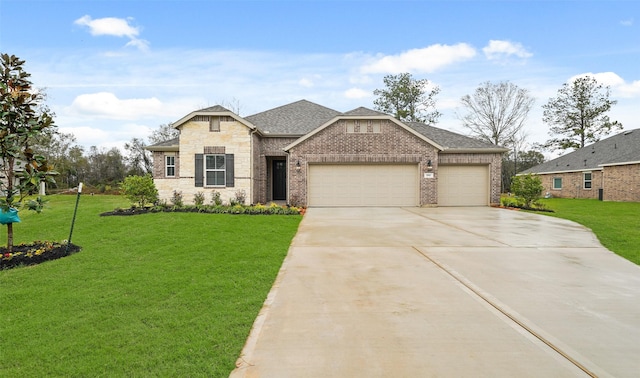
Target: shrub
x=140, y=190
x=216, y=198
x=527, y=188
x=198, y=199
x=241, y=197
x=176, y=199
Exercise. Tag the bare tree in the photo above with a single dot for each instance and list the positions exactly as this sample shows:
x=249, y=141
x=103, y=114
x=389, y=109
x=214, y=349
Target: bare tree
x=495, y=113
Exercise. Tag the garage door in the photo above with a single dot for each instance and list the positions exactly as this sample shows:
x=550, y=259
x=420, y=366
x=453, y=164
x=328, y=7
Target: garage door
x=363, y=185
x=460, y=185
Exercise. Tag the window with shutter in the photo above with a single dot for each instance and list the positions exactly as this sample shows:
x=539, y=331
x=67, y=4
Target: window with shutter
x=199, y=170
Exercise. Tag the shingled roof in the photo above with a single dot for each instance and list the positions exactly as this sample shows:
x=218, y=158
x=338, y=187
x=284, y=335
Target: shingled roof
x=297, y=118
x=623, y=148
x=167, y=145
x=450, y=140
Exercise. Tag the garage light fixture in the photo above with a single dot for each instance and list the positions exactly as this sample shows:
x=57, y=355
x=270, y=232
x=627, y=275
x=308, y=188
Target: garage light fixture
x=429, y=165
x=298, y=167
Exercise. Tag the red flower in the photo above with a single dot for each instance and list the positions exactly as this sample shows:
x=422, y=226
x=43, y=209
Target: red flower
x=7, y=255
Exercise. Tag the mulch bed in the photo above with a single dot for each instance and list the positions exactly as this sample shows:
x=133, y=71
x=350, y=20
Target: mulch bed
x=35, y=253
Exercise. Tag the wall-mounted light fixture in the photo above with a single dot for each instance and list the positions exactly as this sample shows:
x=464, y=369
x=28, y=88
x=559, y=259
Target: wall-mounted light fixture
x=298, y=167
x=429, y=165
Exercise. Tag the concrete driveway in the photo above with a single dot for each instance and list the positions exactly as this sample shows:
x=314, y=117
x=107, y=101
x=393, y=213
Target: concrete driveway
x=446, y=292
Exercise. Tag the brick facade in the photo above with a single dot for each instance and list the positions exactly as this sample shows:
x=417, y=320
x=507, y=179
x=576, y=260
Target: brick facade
x=333, y=144
x=572, y=184
x=622, y=183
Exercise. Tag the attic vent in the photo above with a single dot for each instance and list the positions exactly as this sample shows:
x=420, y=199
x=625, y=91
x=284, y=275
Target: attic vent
x=201, y=118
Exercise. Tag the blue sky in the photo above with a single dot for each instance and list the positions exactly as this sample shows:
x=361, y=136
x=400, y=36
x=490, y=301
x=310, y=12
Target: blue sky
x=114, y=70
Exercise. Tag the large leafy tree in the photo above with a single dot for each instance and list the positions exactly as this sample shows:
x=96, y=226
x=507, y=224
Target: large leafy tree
x=495, y=113
x=578, y=115
x=23, y=117
x=408, y=99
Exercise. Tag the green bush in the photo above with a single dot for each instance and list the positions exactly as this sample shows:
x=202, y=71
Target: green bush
x=140, y=190
x=198, y=199
x=176, y=199
x=527, y=188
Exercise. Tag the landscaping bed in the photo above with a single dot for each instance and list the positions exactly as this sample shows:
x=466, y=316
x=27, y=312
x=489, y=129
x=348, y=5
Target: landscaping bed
x=259, y=209
x=34, y=253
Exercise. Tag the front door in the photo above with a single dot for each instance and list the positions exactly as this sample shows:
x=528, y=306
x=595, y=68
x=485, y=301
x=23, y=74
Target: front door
x=279, y=169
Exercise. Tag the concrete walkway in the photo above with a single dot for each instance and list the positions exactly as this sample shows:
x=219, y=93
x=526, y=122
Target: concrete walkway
x=446, y=292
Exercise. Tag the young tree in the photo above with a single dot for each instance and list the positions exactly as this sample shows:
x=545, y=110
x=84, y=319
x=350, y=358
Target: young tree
x=495, y=113
x=578, y=115
x=23, y=118
x=527, y=188
x=408, y=99
x=140, y=190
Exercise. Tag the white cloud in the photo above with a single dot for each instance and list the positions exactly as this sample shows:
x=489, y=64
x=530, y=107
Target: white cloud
x=307, y=83
x=426, y=60
x=357, y=93
x=497, y=50
x=116, y=27
x=613, y=80
x=628, y=22
x=108, y=105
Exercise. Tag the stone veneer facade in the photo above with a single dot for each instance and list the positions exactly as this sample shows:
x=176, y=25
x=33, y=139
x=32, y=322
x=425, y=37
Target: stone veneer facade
x=233, y=138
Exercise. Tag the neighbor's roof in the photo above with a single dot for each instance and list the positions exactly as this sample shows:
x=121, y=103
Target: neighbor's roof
x=297, y=118
x=623, y=148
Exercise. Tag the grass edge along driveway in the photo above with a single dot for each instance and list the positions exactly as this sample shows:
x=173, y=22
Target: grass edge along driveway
x=616, y=224
x=166, y=294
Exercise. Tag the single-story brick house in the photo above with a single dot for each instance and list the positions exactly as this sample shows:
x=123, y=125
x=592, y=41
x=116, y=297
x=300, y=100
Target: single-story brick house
x=607, y=170
x=309, y=155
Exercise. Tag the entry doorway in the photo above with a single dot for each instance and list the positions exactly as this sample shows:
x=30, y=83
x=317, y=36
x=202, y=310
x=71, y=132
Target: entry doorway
x=279, y=182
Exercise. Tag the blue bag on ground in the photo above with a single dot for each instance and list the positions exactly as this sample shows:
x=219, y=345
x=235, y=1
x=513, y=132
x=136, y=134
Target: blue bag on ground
x=10, y=216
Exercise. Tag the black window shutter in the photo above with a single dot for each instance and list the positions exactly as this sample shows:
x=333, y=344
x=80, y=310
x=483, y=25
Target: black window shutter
x=199, y=170
x=230, y=172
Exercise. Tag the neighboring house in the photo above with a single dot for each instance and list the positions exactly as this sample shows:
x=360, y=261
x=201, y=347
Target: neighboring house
x=608, y=170
x=308, y=155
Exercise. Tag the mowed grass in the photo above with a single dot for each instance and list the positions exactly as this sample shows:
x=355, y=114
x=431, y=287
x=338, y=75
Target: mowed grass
x=166, y=294
x=616, y=224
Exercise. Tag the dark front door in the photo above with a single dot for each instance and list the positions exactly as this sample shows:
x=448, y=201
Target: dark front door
x=279, y=170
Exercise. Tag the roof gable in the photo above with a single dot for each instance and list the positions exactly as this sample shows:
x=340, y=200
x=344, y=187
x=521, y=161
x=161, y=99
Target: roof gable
x=216, y=110
x=362, y=111
x=297, y=118
x=618, y=149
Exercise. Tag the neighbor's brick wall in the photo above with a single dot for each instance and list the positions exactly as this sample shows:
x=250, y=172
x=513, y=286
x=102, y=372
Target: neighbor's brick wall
x=572, y=184
x=334, y=145
x=622, y=183
x=494, y=161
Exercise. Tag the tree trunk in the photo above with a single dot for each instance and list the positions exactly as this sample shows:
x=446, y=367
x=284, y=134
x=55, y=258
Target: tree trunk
x=9, y=237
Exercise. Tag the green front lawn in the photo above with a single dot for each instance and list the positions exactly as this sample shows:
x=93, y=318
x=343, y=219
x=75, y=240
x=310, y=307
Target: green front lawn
x=164, y=294
x=616, y=224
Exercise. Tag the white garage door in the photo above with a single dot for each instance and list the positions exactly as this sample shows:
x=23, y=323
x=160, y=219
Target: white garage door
x=463, y=185
x=363, y=185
